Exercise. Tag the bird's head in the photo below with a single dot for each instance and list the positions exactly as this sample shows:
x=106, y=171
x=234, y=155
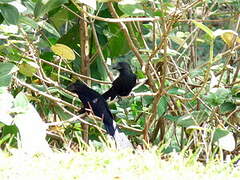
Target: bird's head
x=120, y=66
x=77, y=86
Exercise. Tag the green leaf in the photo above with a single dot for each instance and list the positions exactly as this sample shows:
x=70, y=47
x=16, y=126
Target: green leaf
x=28, y=21
x=44, y=6
x=186, y=121
x=172, y=118
x=10, y=13
x=48, y=27
x=162, y=105
x=118, y=44
x=6, y=71
x=227, y=107
x=217, y=97
x=224, y=139
x=204, y=28
x=7, y=133
x=219, y=133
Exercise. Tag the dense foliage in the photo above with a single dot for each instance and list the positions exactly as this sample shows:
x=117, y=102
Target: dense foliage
x=184, y=53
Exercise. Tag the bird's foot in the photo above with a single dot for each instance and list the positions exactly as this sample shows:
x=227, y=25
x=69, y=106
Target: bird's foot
x=132, y=94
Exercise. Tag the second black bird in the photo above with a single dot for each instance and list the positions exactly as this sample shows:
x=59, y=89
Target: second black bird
x=124, y=83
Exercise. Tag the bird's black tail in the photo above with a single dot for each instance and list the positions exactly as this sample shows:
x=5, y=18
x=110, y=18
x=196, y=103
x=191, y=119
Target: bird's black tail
x=110, y=93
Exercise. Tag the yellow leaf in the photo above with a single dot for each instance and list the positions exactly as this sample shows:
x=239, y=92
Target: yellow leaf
x=229, y=38
x=63, y=51
x=238, y=40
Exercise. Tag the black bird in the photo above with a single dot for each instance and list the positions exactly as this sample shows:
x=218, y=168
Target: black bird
x=124, y=83
x=95, y=102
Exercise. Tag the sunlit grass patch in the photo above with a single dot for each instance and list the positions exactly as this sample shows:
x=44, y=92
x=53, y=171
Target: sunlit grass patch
x=112, y=164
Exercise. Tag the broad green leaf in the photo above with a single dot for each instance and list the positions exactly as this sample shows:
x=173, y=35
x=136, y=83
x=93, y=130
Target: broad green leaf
x=28, y=68
x=44, y=6
x=219, y=133
x=131, y=8
x=118, y=44
x=10, y=13
x=6, y=71
x=172, y=118
x=186, y=121
x=162, y=105
x=204, y=28
x=63, y=51
x=227, y=107
x=28, y=21
x=71, y=38
x=224, y=139
x=217, y=96
x=49, y=28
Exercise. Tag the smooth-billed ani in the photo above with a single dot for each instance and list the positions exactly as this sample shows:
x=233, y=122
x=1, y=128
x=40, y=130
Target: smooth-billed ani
x=95, y=103
x=124, y=83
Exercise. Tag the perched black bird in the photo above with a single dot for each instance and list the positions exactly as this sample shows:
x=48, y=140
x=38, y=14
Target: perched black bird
x=124, y=83
x=95, y=102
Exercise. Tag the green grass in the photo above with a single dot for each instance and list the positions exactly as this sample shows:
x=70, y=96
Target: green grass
x=111, y=164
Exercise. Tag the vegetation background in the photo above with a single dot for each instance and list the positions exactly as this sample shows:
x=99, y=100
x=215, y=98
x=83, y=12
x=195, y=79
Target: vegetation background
x=185, y=54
